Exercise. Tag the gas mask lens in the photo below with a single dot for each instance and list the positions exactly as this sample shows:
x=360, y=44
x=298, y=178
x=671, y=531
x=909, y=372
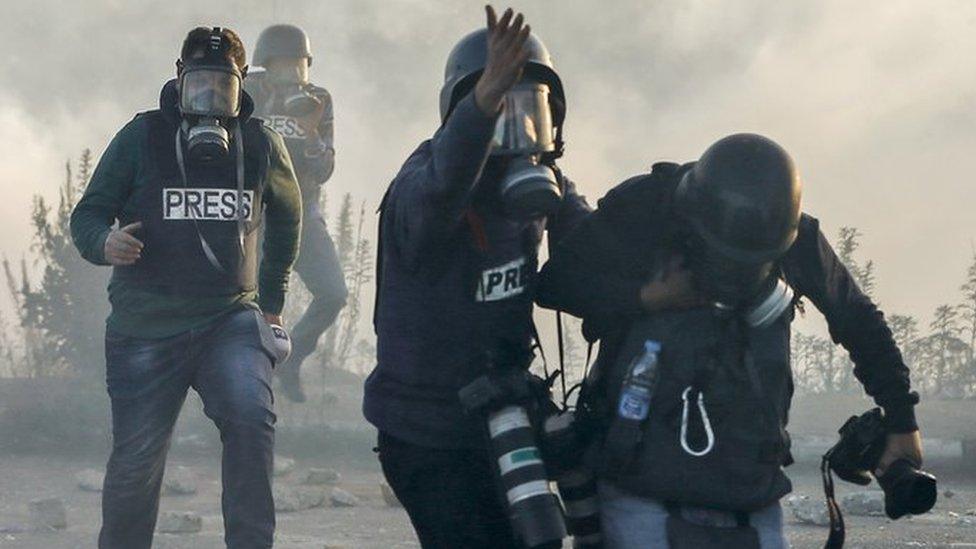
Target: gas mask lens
x=211, y=92
x=525, y=125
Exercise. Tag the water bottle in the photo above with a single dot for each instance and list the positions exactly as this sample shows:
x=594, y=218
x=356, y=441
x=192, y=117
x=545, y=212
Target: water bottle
x=638, y=386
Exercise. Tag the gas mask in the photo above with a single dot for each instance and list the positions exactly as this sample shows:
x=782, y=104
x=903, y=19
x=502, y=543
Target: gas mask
x=210, y=96
x=291, y=83
x=529, y=189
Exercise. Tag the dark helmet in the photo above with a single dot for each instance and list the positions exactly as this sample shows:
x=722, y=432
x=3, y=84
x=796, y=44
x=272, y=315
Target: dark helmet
x=468, y=59
x=281, y=41
x=742, y=203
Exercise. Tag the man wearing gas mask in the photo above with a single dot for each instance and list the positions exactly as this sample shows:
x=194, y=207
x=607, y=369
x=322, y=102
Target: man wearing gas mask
x=189, y=185
x=689, y=277
x=460, y=228
x=301, y=113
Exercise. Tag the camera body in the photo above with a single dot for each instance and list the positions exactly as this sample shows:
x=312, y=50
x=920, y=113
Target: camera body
x=299, y=102
x=907, y=489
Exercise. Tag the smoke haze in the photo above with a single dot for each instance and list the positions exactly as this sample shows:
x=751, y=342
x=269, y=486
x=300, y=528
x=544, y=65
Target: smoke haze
x=875, y=99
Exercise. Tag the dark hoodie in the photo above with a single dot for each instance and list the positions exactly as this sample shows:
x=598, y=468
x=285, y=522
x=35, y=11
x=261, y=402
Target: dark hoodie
x=441, y=231
x=139, y=312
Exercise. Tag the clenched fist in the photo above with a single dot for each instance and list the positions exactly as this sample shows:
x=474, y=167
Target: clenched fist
x=507, y=56
x=121, y=247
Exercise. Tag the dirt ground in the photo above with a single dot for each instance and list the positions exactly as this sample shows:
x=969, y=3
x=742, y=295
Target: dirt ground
x=375, y=525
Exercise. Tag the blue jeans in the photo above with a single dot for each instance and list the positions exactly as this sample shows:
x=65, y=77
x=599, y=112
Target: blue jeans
x=229, y=364
x=631, y=522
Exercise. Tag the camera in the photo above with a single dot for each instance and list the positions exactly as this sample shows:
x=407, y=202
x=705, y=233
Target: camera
x=508, y=398
x=907, y=489
x=298, y=102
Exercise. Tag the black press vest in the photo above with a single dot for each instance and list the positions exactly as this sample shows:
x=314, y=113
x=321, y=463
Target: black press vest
x=175, y=214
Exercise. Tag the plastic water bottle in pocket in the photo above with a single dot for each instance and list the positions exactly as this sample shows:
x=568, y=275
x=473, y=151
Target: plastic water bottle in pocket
x=638, y=386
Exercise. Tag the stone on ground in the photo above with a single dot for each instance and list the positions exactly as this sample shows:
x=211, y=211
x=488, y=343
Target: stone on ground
x=48, y=514
x=808, y=511
x=283, y=466
x=868, y=503
x=179, y=481
x=179, y=522
x=342, y=498
x=90, y=480
x=318, y=476
x=290, y=499
x=388, y=496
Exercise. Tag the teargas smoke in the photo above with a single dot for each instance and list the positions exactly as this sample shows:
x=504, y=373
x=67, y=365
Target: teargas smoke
x=533, y=508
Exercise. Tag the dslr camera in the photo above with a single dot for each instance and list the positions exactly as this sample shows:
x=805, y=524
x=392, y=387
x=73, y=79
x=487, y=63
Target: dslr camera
x=907, y=489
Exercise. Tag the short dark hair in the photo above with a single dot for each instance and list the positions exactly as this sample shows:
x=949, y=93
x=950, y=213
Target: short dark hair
x=198, y=39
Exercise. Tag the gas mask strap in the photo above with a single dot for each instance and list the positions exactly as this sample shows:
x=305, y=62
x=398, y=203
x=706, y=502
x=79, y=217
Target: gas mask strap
x=207, y=250
x=239, y=139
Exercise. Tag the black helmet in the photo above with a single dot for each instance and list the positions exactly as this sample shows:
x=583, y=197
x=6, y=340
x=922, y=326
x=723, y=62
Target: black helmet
x=741, y=201
x=468, y=59
x=281, y=41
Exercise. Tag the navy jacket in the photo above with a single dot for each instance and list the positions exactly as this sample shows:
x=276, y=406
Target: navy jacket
x=455, y=281
x=597, y=271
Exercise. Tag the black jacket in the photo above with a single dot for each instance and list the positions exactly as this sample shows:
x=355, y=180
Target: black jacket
x=454, y=278
x=596, y=273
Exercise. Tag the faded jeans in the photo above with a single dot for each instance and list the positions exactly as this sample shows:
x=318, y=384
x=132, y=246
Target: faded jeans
x=631, y=522
x=228, y=364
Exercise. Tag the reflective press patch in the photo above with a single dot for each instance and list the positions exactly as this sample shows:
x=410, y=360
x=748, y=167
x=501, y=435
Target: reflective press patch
x=205, y=204
x=504, y=281
x=286, y=126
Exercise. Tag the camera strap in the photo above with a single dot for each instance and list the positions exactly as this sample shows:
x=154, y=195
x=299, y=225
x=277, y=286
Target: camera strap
x=239, y=169
x=835, y=540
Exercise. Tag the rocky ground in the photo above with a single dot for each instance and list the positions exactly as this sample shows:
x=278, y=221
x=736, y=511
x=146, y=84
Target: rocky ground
x=333, y=505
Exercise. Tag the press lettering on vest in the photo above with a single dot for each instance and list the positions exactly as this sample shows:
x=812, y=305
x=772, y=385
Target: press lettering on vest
x=205, y=204
x=286, y=126
x=504, y=281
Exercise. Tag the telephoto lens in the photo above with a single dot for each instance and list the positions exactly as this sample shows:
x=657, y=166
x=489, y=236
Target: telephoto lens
x=576, y=482
x=533, y=508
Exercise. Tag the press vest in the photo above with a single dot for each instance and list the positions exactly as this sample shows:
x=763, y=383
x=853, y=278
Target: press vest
x=176, y=214
x=739, y=376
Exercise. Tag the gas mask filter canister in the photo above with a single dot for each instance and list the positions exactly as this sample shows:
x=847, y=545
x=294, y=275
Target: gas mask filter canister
x=770, y=305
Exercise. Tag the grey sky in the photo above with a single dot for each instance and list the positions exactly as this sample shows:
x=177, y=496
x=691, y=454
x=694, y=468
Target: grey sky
x=875, y=99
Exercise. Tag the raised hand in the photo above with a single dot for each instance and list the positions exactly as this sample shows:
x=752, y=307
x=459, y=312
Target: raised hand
x=507, y=55
x=121, y=247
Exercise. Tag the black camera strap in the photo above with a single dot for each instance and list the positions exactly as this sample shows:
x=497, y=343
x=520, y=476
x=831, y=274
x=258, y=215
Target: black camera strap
x=835, y=540
x=239, y=210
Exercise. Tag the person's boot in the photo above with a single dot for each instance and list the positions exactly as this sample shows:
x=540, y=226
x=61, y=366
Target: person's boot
x=290, y=381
